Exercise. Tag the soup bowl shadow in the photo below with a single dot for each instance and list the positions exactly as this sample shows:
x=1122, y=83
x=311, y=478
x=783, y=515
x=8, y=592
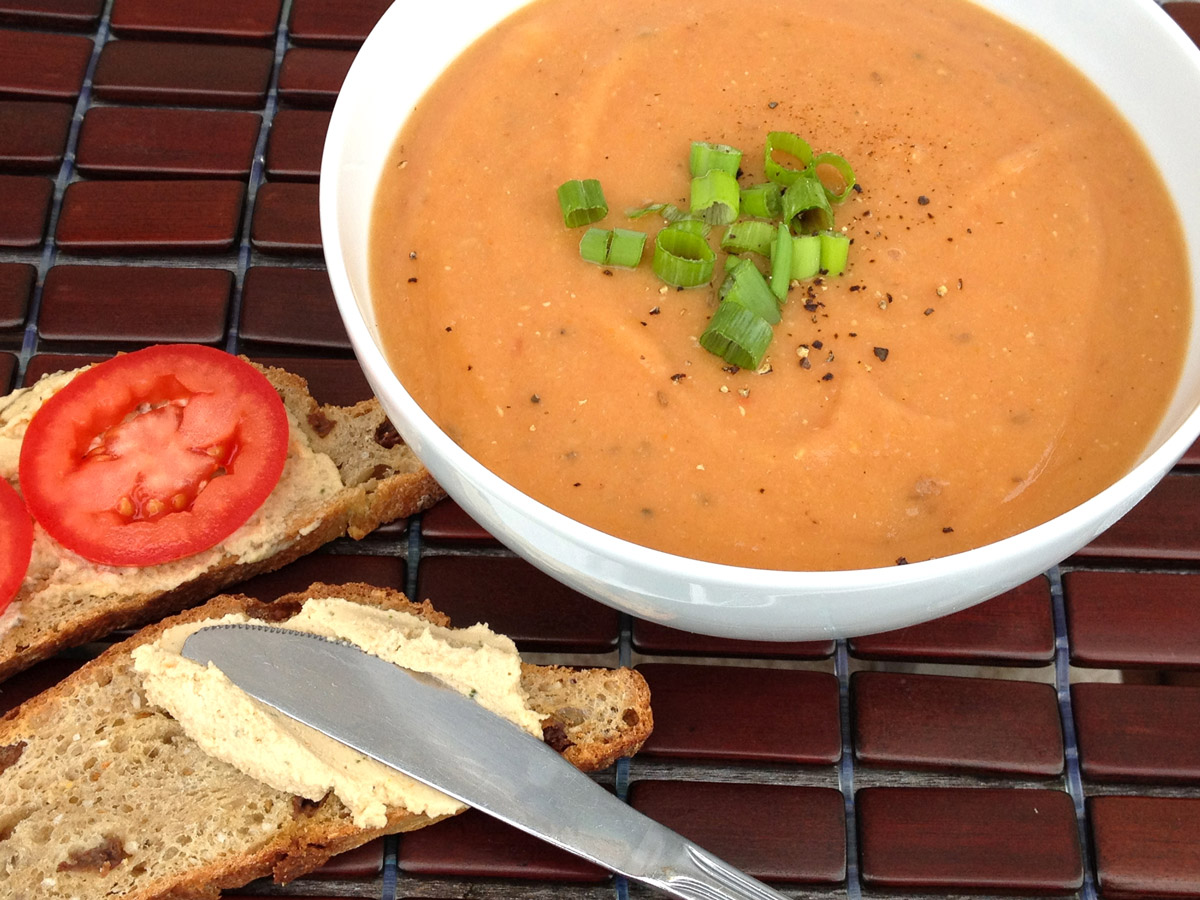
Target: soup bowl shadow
x=1130, y=49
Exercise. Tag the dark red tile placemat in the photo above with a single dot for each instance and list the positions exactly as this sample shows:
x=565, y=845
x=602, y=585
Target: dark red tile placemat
x=937, y=722
x=975, y=839
x=651, y=637
x=476, y=845
x=297, y=139
x=518, y=600
x=65, y=14
x=1015, y=628
x=746, y=713
x=253, y=21
x=16, y=285
x=33, y=135
x=312, y=77
x=134, y=304
x=801, y=840
x=448, y=522
x=150, y=217
x=1146, y=846
x=286, y=219
x=290, y=307
x=1147, y=733
x=27, y=208
x=42, y=65
x=335, y=22
x=142, y=142
x=1140, y=534
x=137, y=71
x=1133, y=619
x=159, y=165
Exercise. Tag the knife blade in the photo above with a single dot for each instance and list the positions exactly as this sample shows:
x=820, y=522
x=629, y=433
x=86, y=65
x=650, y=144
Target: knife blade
x=414, y=723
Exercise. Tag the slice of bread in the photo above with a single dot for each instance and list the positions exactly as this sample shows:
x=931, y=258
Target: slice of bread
x=103, y=795
x=347, y=472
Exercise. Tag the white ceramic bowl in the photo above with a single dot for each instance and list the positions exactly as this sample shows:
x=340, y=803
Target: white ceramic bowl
x=1129, y=48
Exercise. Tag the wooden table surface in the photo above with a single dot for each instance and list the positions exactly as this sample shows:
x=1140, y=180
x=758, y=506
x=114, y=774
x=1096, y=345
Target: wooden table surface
x=158, y=182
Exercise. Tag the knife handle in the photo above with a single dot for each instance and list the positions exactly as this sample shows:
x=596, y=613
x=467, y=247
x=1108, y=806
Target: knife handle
x=690, y=872
x=701, y=876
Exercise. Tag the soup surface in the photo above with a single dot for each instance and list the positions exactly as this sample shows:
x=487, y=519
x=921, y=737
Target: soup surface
x=1002, y=345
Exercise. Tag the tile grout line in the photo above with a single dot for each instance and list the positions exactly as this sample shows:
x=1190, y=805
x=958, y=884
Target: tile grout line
x=841, y=662
x=1062, y=684
x=255, y=180
x=62, y=180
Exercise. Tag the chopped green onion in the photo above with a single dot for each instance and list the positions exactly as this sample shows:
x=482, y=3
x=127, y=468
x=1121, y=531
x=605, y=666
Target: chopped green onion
x=781, y=263
x=806, y=207
x=793, y=145
x=806, y=256
x=619, y=247
x=748, y=236
x=581, y=202
x=682, y=257
x=737, y=335
x=839, y=165
x=788, y=219
x=669, y=211
x=625, y=248
x=835, y=249
x=593, y=246
x=716, y=197
x=748, y=288
x=695, y=226
x=763, y=201
x=705, y=157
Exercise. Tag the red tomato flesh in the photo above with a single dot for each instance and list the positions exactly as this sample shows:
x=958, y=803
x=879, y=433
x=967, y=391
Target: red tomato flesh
x=16, y=542
x=154, y=455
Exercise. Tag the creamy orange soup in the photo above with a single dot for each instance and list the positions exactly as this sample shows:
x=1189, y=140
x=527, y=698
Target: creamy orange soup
x=1003, y=343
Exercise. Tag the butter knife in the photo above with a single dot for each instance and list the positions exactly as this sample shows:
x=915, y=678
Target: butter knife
x=415, y=724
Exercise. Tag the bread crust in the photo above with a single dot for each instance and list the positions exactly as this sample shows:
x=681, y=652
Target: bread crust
x=380, y=484
x=315, y=832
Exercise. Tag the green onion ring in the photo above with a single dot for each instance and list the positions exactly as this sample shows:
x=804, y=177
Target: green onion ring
x=593, y=246
x=705, y=157
x=781, y=263
x=581, y=202
x=748, y=288
x=737, y=335
x=789, y=143
x=748, y=236
x=763, y=201
x=835, y=249
x=806, y=208
x=716, y=197
x=806, y=256
x=625, y=248
x=682, y=257
x=838, y=163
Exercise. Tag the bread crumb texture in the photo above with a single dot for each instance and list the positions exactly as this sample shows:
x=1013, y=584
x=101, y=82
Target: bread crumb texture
x=102, y=794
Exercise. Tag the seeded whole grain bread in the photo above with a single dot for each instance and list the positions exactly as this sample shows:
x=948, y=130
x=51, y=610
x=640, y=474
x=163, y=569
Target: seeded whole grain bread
x=66, y=601
x=103, y=795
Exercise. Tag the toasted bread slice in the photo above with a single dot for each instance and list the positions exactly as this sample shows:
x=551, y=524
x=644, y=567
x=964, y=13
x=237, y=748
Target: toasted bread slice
x=347, y=472
x=102, y=794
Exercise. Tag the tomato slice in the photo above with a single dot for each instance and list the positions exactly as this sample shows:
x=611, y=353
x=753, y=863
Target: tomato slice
x=154, y=455
x=16, y=542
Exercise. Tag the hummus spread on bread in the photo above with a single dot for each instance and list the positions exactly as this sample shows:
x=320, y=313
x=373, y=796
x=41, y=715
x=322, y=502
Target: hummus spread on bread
x=266, y=745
